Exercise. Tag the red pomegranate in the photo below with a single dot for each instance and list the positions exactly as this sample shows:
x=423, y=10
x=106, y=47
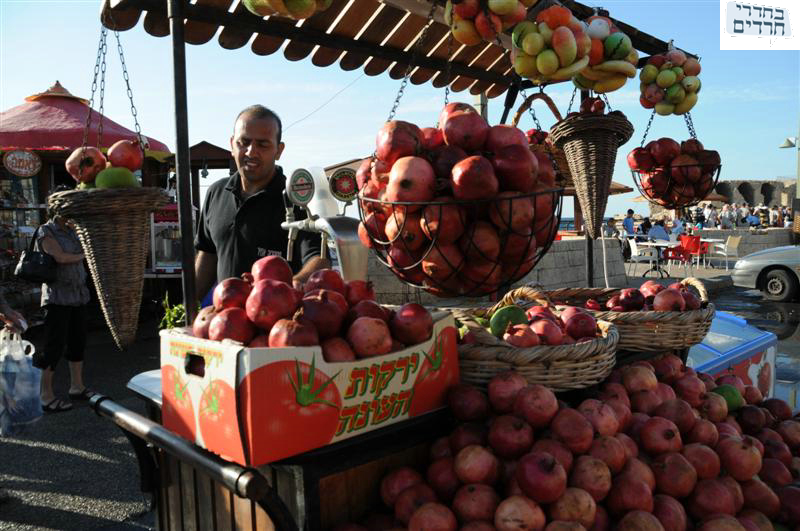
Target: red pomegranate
x=670, y=513
x=560, y=452
x=442, y=262
x=466, y=434
x=480, y=241
x=637, y=378
x=575, y=505
x=202, y=322
x=396, y=482
x=269, y=301
x=691, y=389
x=411, y=179
x=739, y=457
x=541, y=477
x=325, y=313
x=337, y=349
x=441, y=476
x=704, y=460
x=659, y=435
x=631, y=450
x=231, y=293
x=679, y=412
x=369, y=337
x=592, y=475
x=326, y=279
x=397, y=139
x=520, y=335
x=645, y=402
x=465, y=129
x=629, y=494
x=622, y=412
x=704, y=432
x=126, y=154
x=83, y=164
x=433, y=516
x=572, y=428
x=518, y=512
x=602, y=416
x=637, y=469
x=475, y=502
x=411, y=324
x=444, y=158
x=511, y=211
x=549, y=333
x=669, y=300
x=639, y=521
x=359, y=290
x=609, y=450
x=640, y=159
x=411, y=499
x=451, y=108
x=443, y=222
x=467, y=403
x=291, y=333
x=476, y=464
x=367, y=308
x=405, y=230
x=431, y=137
x=615, y=390
x=503, y=389
x=515, y=168
x=510, y=436
x=674, y=474
x=272, y=268
x=473, y=178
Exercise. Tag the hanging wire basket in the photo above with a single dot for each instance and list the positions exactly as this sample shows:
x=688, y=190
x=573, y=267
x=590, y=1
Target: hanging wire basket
x=677, y=187
x=462, y=247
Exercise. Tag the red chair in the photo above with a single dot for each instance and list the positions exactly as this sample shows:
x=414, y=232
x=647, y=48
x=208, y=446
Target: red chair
x=677, y=254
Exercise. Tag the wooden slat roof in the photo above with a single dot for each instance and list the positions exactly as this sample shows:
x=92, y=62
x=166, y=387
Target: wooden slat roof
x=373, y=35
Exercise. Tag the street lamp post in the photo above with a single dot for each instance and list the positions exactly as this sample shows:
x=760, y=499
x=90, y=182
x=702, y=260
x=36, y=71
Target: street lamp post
x=794, y=142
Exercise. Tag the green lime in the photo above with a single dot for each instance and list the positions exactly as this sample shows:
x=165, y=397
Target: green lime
x=731, y=395
x=505, y=316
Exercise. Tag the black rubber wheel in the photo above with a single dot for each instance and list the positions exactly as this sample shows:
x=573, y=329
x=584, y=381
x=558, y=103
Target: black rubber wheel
x=780, y=286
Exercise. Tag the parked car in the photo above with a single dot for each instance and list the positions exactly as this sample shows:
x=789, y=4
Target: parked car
x=775, y=271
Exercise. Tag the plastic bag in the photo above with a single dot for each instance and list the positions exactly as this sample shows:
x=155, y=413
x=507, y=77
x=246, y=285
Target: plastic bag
x=20, y=382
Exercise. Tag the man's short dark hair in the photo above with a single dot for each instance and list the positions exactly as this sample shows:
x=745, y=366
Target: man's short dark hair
x=262, y=113
x=630, y=211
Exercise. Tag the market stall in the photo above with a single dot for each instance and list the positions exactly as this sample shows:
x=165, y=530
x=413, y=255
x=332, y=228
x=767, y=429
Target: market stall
x=254, y=424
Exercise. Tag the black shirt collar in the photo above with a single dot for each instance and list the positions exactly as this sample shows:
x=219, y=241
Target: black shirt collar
x=275, y=185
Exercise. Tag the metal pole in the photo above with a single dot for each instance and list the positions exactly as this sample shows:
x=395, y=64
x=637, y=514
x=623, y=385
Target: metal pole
x=182, y=165
x=589, y=241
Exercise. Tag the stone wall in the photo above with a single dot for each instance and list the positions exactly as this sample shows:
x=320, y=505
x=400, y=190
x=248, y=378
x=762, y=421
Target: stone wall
x=563, y=266
x=752, y=240
x=754, y=193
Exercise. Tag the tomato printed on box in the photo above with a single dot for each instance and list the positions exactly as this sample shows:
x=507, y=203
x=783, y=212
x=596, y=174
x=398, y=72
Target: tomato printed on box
x=289, y=400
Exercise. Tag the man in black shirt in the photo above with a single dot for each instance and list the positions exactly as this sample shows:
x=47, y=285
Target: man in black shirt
x=240, y=219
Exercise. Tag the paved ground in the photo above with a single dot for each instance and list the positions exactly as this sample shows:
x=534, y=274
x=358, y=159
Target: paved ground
x=76, y=471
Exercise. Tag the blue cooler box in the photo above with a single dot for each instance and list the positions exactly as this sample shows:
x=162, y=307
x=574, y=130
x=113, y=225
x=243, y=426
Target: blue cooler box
x=733, y=346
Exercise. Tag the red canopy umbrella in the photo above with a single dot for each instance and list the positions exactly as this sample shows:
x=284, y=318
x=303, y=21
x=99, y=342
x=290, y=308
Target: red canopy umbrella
x=55, y=120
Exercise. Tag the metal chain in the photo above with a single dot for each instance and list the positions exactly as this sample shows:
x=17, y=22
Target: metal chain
x=100, y=56
x=530, y=109
x=447, y=69
x=125, y=76
x=605, y=99
x=414, y=52
x=647, y=129
x=572, y=99
x=102, y=92
x=688, y=118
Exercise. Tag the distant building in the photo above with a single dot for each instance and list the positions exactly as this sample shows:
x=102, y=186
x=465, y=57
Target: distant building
x=779, y=192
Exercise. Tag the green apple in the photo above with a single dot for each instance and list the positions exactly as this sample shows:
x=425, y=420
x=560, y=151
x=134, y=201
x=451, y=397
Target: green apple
x=525, y=66
x=521, y=30
x=691, y=83
x=116, y=177
x=502, y=7
x=547, y=62
x=665, y=78
x=532, y=44
x=664, y=109
x=546, y=32
x=648, y=74
x=675, y=94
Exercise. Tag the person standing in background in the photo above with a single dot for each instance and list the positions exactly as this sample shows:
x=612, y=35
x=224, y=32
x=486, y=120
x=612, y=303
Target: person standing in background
x=627, y=224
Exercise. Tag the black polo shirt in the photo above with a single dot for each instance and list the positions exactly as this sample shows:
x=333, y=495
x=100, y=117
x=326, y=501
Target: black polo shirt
x=241, y=231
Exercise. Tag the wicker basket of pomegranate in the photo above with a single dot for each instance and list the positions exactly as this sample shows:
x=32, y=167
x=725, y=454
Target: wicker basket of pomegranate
x=562, y=348
x=460, y=209
x=652, y=318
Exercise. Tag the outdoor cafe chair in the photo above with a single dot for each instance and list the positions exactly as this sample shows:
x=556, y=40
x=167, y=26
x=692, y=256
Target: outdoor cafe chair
x=729, y=249
x=639, y=255
x=677, y=254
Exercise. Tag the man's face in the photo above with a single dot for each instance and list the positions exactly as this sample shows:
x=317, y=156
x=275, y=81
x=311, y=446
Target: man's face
x=255, y=148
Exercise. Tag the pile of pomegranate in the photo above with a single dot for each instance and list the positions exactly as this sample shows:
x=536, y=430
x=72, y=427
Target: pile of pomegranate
x=262, y=309
x=459, y=209
x=674, y=175
x=650, y=297
x=549, y=328
x=657, y=449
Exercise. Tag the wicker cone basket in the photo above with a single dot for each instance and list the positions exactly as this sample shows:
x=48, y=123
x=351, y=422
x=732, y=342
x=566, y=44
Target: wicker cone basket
x=563, y=175
x=113, y=226
x=648, y=331
x=560, y=368
x=590, y=143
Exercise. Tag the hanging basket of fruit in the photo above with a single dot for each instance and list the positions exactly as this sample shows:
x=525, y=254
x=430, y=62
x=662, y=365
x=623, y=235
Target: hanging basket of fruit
x=674, y=175
x=562, y=350
x=111, y=214
x=474, y=21
x=670, y=82
x=540, y=142
x=651, y=318
x=293, y=9
x=590, y=142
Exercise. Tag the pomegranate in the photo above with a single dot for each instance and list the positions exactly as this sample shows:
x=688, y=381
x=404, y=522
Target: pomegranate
x=549, y=333
x=592, y=475
x=790, y=431
x=467, y=403
x=431, y=138
x=735, y=490
x=465, y=129
x=475, y=502
x=411, y=179
x=366, y=308
x=675, y=475
x=768, y=435
x=443, y=222
x=758, y=444
x=442, y=262
x=272, y=268
x=615, y=390
x=231, y=293
x=629, y=494
x=758, y=495
x=396, y=482
x=758, y=518
x=518, y=512
x=473, y=178
x=541, y=477
x=231, y=323
x=711, y=496
x=670, y=513
x=609, y=450
x=774, y=473
x=751, y=418
x=560, y=525
x=645, y=401
x=405, y=230
x=790, y=505
x=515, y=168
x=637, y=469
x=536, y=404
x=581, y=325
x=631, y=450
x=326, y=279
x=433, y=516
x=602, y=416
x=511, y=211
x=397, y=139
x=639, y=521
x=572, y=428
x=659, y=435
x=326, y=315
x=721, y=522
x=451, y=108
x=440, y=448
x=411, y=324
x=740, y=458
x=291, y=333
x=692, y=389
x=725, y=430
x=503, y=390
x=667, y=367
x=269, y=301
x=337, y=349
x=650, y=288
x=444, y=158
x=704, y=460
x=708, y=380
x=84, y=163
x=602, y=522
x=631, y=299
x=357, y=291
x=635, y=427
x=752, y=395
x=202, y=321
x=669, y=300
x=639, y=379
x=510, y=436
x=560, y=452
x=679, y=412
x=713, y=407
x=467, y=434
x=622, y=412
x=411, y=499
x=441, y=476
x=476, y=464
x=575, y=505
x=731, y=379
x=126, y=154
x=665, y=392
x=369, y=337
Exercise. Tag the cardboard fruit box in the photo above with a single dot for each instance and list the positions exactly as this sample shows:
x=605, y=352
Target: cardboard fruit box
x=254, y=406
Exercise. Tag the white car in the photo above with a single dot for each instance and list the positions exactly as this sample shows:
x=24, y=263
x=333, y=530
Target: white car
x=775, y=271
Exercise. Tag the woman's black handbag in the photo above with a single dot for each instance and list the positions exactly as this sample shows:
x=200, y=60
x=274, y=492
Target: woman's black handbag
x=35, y=266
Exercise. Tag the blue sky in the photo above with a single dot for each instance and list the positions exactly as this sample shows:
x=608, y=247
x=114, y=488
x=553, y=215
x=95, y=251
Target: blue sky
x=750, y=100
